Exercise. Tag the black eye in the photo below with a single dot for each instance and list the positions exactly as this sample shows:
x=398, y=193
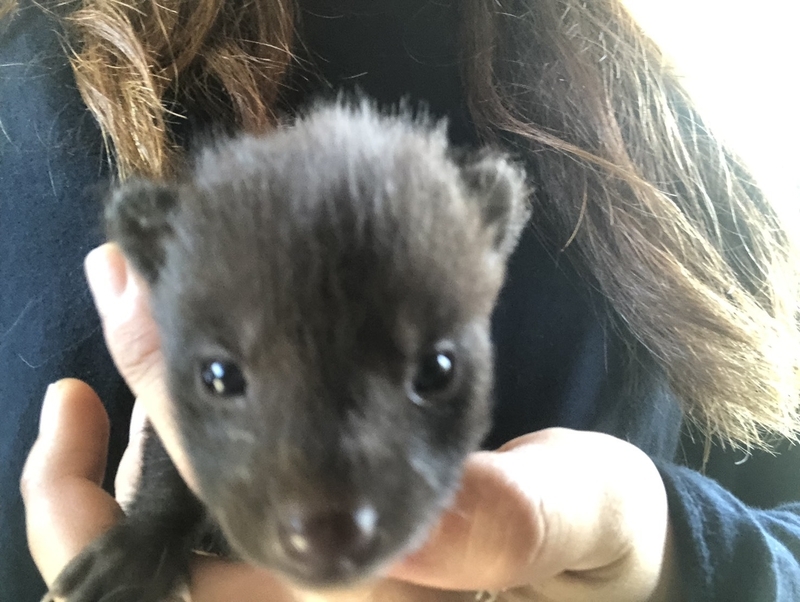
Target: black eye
x=434, y=374
x=223, y=378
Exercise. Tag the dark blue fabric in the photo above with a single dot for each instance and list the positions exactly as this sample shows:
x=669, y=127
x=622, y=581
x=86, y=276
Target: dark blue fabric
x=557, y=361
x=50, y=154
x=727, y=551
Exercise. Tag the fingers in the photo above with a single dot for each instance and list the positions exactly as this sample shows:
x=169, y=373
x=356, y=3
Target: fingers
x=72, y=408
x=578, y=515
x=65, y=506
x=130, y=466
x=122, y=299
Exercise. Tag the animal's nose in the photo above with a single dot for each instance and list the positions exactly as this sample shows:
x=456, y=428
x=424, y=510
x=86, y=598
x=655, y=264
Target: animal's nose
x=332, y=541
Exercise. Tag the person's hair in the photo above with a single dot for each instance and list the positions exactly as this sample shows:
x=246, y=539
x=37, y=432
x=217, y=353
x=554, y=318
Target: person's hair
x=141, y=66
x=660, y=217
x=668, y=223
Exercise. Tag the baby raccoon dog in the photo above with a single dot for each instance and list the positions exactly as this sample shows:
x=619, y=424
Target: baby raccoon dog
x=323, y=295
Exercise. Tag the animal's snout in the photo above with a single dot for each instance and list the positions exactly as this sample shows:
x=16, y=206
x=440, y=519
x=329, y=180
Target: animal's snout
x=329, y=543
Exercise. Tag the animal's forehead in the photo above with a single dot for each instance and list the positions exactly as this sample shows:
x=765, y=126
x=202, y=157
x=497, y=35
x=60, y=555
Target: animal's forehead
x=326, y=287
x=333, y=224
x=333, y=196
x=341, y=220
x=333, y=161
x=337, y=297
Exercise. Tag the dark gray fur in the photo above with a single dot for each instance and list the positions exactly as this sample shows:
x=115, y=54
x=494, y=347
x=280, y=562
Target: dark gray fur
x=325, y=259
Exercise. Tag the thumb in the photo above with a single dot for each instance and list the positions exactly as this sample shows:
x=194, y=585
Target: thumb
x=65, y=507
x=492, y=533
x=568, y=512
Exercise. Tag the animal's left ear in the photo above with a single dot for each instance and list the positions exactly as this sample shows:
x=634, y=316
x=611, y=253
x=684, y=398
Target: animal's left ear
x=138, y=217
x=500, y=187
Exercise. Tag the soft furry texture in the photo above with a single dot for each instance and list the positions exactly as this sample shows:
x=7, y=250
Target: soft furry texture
x=329, y=262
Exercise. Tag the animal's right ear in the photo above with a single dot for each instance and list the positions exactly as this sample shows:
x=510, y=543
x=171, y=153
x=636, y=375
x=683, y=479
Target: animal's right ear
x=137, y=217
x=500, y=187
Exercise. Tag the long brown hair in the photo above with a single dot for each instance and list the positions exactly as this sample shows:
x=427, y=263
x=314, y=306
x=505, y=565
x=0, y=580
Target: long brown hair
x=667, y=223
x=663, y=221
x=141, y=66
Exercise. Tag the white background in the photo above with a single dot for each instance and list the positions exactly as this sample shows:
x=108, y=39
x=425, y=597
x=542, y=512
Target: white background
x=740, y=60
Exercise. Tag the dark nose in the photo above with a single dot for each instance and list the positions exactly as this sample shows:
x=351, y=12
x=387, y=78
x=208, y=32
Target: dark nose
x=330, y=543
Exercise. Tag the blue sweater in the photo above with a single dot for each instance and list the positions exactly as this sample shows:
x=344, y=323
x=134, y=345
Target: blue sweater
x=557, y=361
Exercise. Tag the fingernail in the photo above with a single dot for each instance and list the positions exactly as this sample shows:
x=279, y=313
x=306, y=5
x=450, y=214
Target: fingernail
x=48, y=418
x=107, y=274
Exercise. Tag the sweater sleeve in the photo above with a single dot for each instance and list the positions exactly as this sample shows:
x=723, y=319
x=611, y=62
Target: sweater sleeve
x=727, y=551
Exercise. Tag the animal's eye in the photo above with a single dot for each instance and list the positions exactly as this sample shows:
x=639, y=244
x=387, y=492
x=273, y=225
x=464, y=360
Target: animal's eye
x=223, y=378
x=435, y=372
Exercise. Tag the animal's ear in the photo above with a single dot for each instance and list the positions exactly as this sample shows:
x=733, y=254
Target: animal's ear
x=137, y=217
x=500, y=187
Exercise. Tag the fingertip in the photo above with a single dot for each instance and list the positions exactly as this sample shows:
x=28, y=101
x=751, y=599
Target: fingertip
x=65, y=507
x=119, y=292
x=122, y=300
x=66, y=396
x=49, y=413
x=107, y=274
x=73, y=435
x=72, y=404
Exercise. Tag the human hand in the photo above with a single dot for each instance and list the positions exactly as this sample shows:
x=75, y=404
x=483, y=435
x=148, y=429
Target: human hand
x=555, y=515
x=600, y=534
